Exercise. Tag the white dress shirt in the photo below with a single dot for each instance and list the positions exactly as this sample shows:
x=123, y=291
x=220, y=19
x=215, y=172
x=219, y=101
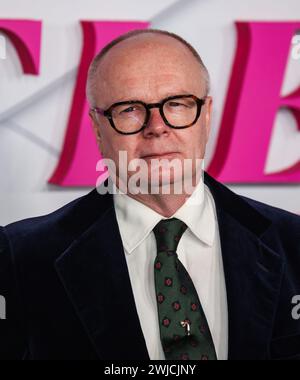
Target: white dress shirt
x=199, y=250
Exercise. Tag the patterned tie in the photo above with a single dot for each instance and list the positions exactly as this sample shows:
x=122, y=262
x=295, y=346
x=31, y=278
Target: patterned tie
x=184, y=331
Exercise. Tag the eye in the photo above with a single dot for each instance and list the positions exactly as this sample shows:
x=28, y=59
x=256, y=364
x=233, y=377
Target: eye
x=176, y=104
x=129, y=109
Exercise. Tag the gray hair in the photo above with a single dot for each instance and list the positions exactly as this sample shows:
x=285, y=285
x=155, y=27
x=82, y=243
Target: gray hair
x=92, y=72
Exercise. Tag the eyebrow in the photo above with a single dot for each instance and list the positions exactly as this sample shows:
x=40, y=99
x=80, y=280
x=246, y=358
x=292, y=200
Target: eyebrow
x=168, y=94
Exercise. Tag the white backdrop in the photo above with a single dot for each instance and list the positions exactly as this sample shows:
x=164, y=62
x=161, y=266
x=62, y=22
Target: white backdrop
x=34, y=109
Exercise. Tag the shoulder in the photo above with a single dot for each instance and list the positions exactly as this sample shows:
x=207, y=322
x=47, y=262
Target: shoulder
x=283, y=219
x=250, y=212
x=54, y=232
x=284, y=236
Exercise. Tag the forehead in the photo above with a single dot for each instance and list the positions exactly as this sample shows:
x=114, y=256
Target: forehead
x=146, y=65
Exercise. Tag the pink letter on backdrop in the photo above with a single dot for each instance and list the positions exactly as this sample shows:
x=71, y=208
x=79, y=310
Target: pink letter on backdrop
x=252, y=101
x=26, y=38
x=77, y=165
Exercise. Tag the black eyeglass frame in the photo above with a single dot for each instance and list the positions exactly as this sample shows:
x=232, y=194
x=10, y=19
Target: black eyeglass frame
x=148, y=106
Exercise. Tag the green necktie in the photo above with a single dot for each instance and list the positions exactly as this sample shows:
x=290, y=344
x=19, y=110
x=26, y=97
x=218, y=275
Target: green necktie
x=184, y=331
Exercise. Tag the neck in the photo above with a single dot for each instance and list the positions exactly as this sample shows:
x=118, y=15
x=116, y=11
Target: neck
x=162, y=203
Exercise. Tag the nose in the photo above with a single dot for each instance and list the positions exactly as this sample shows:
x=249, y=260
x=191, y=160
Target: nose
x=156, y=125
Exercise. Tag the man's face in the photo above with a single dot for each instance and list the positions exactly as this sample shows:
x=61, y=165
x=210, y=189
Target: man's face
x=150, y=68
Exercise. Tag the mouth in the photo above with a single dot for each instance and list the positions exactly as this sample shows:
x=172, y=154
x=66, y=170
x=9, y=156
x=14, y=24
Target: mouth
x=159, y=155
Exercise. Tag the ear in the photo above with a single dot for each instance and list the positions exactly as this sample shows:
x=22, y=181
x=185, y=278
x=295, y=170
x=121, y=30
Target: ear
x=208, y=113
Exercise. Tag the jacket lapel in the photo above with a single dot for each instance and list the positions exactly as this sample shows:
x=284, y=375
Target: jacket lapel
x=253, y=271
x=94, y=273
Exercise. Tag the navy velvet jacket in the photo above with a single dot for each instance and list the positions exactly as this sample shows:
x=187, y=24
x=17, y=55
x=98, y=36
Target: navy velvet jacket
x=69, y=296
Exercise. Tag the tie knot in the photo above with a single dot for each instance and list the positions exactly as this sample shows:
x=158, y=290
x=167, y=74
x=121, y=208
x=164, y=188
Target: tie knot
x=168, y=232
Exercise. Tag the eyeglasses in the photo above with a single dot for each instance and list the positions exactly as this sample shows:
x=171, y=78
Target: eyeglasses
x=129, y=117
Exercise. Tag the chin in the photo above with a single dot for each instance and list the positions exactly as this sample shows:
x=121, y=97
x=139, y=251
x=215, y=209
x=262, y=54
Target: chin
x=166, y=182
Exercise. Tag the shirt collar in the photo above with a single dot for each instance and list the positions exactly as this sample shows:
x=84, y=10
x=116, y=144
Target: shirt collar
x=136, y=220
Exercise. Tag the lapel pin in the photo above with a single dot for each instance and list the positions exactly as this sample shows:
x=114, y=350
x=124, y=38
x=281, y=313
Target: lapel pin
x=187, y=327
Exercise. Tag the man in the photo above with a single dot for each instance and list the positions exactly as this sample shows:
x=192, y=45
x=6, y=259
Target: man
x=205, y=274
